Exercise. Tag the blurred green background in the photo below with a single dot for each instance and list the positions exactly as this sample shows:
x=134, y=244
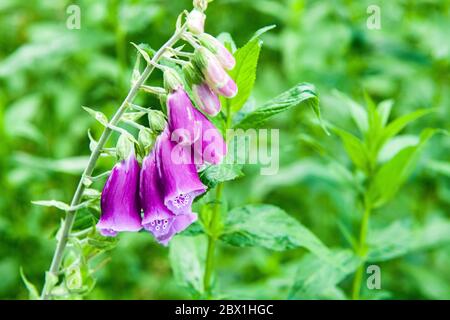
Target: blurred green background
x=47, y=72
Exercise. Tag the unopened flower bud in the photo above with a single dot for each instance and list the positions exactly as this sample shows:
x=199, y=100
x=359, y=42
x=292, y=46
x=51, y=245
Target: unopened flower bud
x=146, y=139
x=196, y=21
x=172, y=80
x=156, y=120
x=216, y=77
x=224, y=56
x=206, y=99
x=192, y=74
x=124, y=147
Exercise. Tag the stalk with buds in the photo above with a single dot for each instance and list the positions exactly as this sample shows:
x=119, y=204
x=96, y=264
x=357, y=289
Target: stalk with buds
x=152, y=187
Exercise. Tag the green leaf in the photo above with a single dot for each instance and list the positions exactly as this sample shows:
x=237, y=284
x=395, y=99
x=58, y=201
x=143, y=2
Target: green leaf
x=97, y=115
x=187, y=259
x=301, y=94
x=263, y=30
x=400, y=123
x=403, y=237
x=357, y=112
x=215, y=174
x=355, y=149
x=269, y=227
x=440, y=167
x=52, y=203
x=244, y=73
x=32, y=291
x=317, y=277
x=393, y=173
x=384, y=110
x=73, y=165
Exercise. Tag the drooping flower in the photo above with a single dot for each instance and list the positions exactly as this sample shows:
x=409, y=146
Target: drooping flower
x=216, y=77
x=196, y=21
x=224, y=56
x=211, y=147
x=182, y=122
x=120, y=199
x=181, y=182
x=158, y=219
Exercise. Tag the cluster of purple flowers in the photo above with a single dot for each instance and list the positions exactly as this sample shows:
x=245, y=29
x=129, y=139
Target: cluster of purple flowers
x=158, y=196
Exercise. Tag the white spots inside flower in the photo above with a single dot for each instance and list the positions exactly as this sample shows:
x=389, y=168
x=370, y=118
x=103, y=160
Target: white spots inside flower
x=160, y=226
x=181, y=200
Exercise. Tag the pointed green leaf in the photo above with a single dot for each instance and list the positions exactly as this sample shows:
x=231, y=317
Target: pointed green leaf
x=52, y=203
x=355, y=149
x=400, y=123
x=269, y=227
x=392, y=174
x=302, y=94
x=244, y=73
x=32, y=291
x=316, y=277
x=187, y=259
x=97, y=115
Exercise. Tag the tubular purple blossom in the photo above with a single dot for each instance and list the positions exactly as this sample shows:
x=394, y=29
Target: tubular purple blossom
x=120, y=199
x=211, y=147
x=182, y=121
x=224, y=56
x=181, y=182
x=158, y=219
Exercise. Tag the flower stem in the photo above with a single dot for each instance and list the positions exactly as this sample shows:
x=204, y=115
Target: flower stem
x=66, y=227
x=361, y=252
x=212, y=237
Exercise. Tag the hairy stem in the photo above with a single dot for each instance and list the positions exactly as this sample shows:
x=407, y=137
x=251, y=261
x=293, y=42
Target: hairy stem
x=212, y=237
x=66, y=227
x=361, y=252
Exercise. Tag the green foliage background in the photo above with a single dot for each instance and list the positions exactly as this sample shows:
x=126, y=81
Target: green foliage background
x=48, y=71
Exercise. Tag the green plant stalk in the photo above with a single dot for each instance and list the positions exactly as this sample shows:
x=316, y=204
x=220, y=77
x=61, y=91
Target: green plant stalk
x=66, y=227
x=362, y=250
x=212, y=238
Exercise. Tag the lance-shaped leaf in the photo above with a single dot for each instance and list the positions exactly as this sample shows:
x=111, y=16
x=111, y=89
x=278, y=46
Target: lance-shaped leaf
x=403, y=237
x=392, y=174
x=355, y=148
x=244, y=73
x=303, y=94
x=269, y=227
x=187, y=259
x=317, y=278
x=32, y=291
x=97, y=115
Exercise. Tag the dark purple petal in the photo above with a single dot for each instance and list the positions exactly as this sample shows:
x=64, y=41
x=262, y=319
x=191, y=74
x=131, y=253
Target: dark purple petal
x=181, y=117
x=181, y=183
x=120, y=199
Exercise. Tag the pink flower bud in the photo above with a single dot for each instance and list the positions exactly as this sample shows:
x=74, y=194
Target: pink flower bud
x=196, y=21
x=215, y=76
x=229, y=90
x=224, y=56
x=206, y=99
